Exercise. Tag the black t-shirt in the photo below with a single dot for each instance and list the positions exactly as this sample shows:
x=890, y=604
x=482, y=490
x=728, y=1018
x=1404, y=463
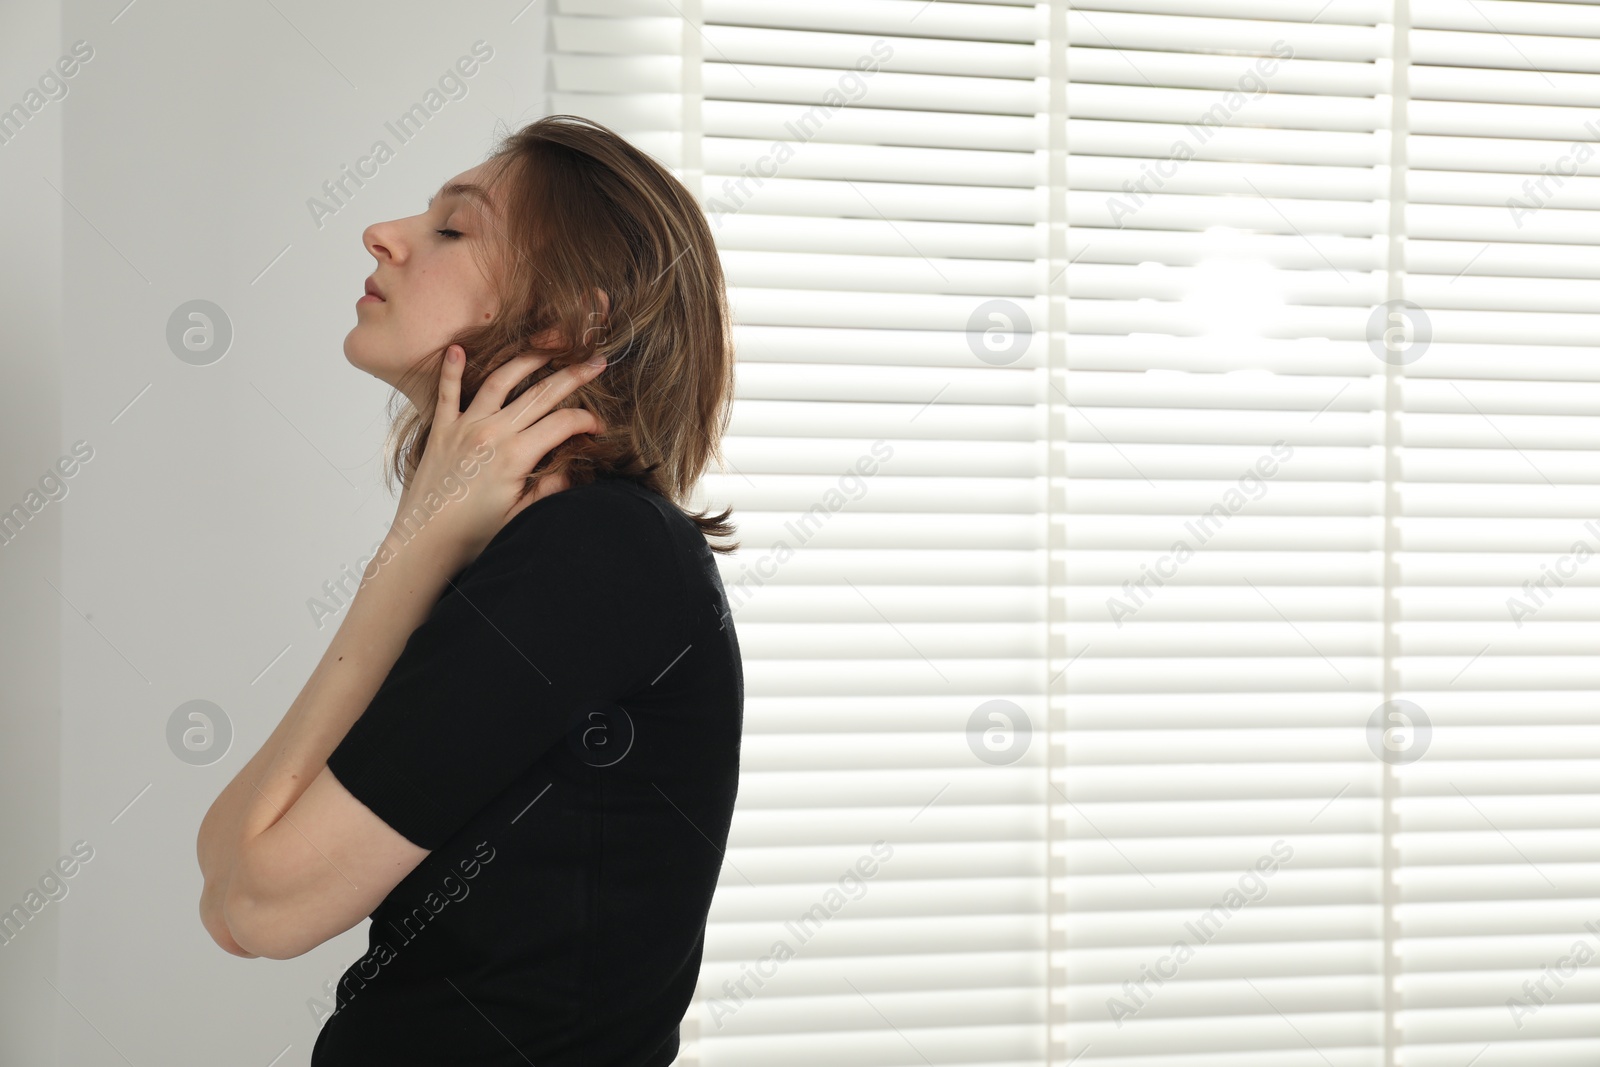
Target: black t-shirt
x=563, y=733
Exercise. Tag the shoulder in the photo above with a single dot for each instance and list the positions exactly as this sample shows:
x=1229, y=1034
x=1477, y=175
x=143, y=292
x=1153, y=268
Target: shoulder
x=597, y=555
x=611, y=507
x=607, y=527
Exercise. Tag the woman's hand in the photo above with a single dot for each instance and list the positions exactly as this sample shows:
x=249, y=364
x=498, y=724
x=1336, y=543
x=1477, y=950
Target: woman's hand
x=470, y=481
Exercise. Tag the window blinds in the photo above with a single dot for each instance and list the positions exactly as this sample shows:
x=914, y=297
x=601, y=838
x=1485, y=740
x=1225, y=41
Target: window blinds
x=1223, y=526
x=1151, y=414
x=1500, y=856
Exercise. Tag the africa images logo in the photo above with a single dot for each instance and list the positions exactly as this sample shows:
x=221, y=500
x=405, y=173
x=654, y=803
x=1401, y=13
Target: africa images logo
x=602, y=736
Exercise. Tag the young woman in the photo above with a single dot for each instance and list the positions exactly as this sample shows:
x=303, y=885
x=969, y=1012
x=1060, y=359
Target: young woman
x=519, y=754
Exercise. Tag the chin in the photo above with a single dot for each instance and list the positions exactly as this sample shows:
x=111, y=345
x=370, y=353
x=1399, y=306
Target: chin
x=382, y=365
x=352, y=358
x=354, y=354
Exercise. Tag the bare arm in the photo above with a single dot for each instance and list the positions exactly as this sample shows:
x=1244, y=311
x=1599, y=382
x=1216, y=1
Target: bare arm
x=388, y=606
x=265, y=888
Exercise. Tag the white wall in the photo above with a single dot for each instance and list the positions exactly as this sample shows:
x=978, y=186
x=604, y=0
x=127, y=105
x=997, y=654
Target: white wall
x=31, y=440
x=220, y=497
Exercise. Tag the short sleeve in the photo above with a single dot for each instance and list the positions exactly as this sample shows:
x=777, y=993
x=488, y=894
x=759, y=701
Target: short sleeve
x=567, y=609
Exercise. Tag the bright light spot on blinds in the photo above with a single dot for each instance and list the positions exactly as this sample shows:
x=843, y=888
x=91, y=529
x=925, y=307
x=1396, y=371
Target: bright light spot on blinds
x=1235, y=295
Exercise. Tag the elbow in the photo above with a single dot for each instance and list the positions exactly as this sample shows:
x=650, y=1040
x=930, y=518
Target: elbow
x=213, y=918
x=225, y=941
x=256, y=927
x=254, y=917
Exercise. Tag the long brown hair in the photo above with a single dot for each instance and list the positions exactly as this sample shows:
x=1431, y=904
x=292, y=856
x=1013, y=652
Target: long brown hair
x=584, y=210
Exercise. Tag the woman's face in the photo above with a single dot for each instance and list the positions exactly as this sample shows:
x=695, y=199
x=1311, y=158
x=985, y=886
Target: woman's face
x=428, y=279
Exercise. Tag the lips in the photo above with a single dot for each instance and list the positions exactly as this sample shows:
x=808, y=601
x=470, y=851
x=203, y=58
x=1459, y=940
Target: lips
x=373, y=290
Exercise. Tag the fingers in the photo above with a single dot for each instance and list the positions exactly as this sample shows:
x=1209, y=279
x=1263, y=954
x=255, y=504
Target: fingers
x=491, y=395
x=536, y=443
x=543, y=398
x=450, y=369
x=538, y=440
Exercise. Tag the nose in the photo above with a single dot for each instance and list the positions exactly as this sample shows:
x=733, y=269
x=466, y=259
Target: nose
x=379, y=241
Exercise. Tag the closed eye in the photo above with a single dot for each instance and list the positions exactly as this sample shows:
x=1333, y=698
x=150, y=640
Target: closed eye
x=449, y=234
